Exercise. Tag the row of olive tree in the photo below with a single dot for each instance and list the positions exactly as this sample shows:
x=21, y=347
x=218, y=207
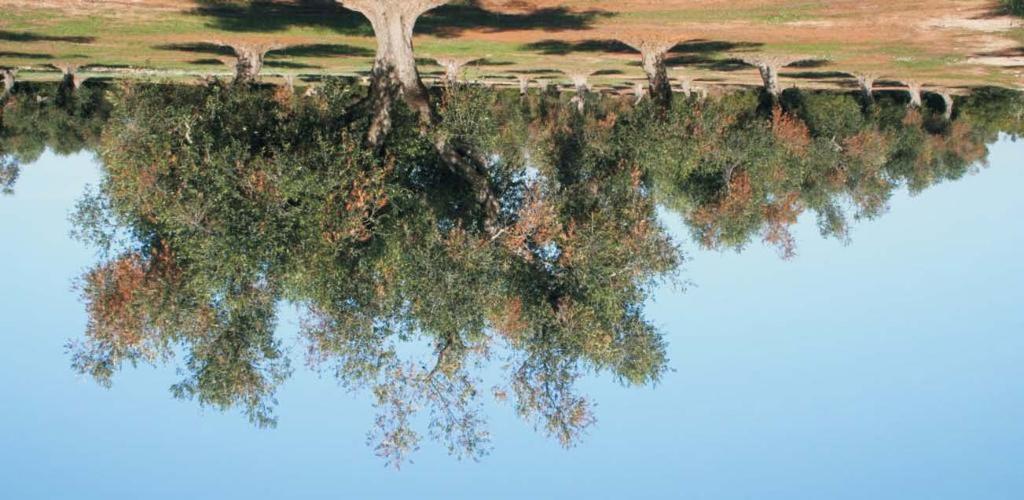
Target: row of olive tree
x=37, y=116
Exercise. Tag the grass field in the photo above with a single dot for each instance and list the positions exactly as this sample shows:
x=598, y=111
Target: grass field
x=946, y=43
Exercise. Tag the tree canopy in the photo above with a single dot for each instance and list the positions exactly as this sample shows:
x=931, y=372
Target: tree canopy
x=221, y=202
x=235, y=199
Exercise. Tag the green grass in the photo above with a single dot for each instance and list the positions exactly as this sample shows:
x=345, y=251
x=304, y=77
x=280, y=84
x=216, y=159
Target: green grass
x=791, y=12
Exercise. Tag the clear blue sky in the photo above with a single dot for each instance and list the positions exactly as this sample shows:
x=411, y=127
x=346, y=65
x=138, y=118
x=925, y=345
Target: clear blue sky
x=889, y=368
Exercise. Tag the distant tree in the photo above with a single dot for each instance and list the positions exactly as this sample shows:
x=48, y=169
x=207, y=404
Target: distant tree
x=653, y=49
x=914, y=91
x=453, y=68
x=866, y=81
x=8, y=75
x=70, y=79
x=735, y=173
x=768, y=66
x=524, y=84
x=249, y=58
x=37, y=116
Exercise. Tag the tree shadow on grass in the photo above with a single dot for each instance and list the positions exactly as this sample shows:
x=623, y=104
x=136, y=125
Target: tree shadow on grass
x=452, y=20
x=698, y=52
x=712, y=55
x=729, y=64
x=445, y=21
x=268, y=16
x=102, y=66
x=322, y=50
x=810, y=63
x=1008, y=52
x=206, y=62
x=22, y=36
x=815, y=75
x=25, y=55
x=725, y=65
x=562, y=47
x=290, y=65
x=198, y=48
x=310, y=50
x=492, y=62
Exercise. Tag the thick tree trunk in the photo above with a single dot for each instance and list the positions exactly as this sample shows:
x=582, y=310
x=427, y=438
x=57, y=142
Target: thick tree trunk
x=660, y=87
x=947, y=111
x=914, y=90
x=653, y=48
x=580, y=83
x=248, y=66
x=249, y=62
x=249, y=59
x=395, y=76
x=867, y=88
x=770, y=78
x=394, y=71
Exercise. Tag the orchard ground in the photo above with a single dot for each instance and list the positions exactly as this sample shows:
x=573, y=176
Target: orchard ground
x=950, y=44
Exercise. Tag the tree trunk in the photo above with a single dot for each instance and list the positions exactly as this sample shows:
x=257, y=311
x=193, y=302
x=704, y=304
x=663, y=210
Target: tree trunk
x=452, y=70
x=660, y=87
x=395, y=76
x=579, y=81
x=248, y=59
x=947, y=111
x=473, y=170
x=70, y=82
x=248, y=66
x=249, y=63
x=524, y=85
x=770, y=77
x=867, y=88
x=289, y=84
x=394, y=71
x=8, y=83
x=914, y=90
x=653, y=48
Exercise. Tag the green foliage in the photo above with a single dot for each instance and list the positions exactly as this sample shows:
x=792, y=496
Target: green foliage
x=829, y=115
x=220, y=202
x=236, y=198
